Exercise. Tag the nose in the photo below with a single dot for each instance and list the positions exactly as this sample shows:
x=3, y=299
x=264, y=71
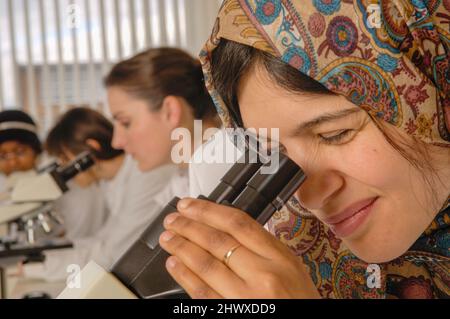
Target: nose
x=323, y=181
x=319, y=188
x=118, y=141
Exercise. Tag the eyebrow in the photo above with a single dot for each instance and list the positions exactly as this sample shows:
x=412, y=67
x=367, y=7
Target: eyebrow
x=324, y=118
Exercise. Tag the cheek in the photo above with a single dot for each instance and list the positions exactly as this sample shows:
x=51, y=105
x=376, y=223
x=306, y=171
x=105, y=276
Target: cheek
x=28, y=163
x=141, y=136
x=370, y=160
x=150, y=137
x=366, y=163
x=135, y=135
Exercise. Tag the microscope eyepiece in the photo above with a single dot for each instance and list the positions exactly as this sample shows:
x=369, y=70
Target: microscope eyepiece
x=80, y=164
x=267, y=193
x=63, y=174
x=235, y=180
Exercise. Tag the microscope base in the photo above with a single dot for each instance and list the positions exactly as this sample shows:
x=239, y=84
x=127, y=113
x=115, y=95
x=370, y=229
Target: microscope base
x=97, y=283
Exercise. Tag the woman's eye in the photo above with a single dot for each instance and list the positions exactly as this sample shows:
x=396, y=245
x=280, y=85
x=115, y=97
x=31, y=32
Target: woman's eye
x=125, y=124
x=336, y=137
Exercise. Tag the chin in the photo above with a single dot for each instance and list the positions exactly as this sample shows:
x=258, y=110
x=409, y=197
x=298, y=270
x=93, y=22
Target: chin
x=372, y=253
x=145, y=167
x=83, y=184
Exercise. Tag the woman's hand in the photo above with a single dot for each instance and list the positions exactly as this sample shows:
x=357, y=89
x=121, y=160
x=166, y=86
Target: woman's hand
x=260, y=266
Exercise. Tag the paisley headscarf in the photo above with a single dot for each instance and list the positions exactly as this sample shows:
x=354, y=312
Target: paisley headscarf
x=389, y=57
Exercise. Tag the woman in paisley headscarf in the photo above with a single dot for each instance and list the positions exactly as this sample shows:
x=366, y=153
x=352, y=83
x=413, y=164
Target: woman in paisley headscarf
x=360, y=92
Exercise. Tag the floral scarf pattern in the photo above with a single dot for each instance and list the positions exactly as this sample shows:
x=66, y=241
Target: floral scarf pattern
x=389, y=57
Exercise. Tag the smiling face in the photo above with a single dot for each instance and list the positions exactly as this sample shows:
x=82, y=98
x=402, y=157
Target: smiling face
x=370, y=195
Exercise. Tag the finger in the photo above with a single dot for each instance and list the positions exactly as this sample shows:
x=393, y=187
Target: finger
x=234, y=222
x=208, y=268
x=217, y=243
x=191, y=283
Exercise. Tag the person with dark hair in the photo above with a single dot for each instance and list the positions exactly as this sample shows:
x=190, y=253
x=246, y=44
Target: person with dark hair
x=364, y=111
x=16, y=125
x=83, y=129
x=20, y=150
x=129, y=195
x=19, y=145
x=20, y=157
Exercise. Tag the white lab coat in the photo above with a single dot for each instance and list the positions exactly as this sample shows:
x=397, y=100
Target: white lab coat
x=210, y=162
x=83, y=210
x=134, y=200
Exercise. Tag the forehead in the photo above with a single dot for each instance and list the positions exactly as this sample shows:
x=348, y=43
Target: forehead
x=117, y=93
x=11, y=145
x=264, y=104
x=121, y=102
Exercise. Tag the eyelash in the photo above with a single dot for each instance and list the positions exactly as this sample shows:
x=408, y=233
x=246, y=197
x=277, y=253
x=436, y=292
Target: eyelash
x=328, y=140
x=125, y=124
x=335, y=138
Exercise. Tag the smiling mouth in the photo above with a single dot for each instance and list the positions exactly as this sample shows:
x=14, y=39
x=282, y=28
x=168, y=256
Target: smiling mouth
x=347, y=222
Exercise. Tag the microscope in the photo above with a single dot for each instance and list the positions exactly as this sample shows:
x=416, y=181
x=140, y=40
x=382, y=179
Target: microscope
x=141, y=272
x=28, y=208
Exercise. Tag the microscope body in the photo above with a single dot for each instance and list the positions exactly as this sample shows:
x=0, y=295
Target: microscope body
x=141, y=269
x=29, y=210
